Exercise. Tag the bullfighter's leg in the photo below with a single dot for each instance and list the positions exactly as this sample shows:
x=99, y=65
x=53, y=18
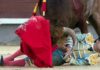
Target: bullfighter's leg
x=9, y=60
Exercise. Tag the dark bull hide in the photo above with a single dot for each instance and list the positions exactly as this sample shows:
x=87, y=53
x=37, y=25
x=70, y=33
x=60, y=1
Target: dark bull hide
x=95, y=16
x=71, y=13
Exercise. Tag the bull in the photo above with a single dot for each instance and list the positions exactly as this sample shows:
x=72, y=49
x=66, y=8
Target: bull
x=70, y=14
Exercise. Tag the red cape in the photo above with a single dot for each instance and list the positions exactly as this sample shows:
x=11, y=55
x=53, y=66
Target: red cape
x=36, y=40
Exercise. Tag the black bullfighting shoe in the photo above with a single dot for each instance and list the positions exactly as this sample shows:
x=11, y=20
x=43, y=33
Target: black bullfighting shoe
x=1, y=60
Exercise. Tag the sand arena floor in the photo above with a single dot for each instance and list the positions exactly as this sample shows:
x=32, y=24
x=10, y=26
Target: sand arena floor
x=7, y=50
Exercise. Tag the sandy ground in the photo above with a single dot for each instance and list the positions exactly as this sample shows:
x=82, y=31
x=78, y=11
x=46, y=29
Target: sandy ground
x=6, y=50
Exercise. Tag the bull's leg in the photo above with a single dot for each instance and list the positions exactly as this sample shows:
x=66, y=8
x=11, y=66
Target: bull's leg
x=96, y=24
x=78, y=8
x=83, y=25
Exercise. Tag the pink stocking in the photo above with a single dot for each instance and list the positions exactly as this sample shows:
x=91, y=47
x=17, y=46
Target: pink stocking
x=20, y=62
x=12, y=56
